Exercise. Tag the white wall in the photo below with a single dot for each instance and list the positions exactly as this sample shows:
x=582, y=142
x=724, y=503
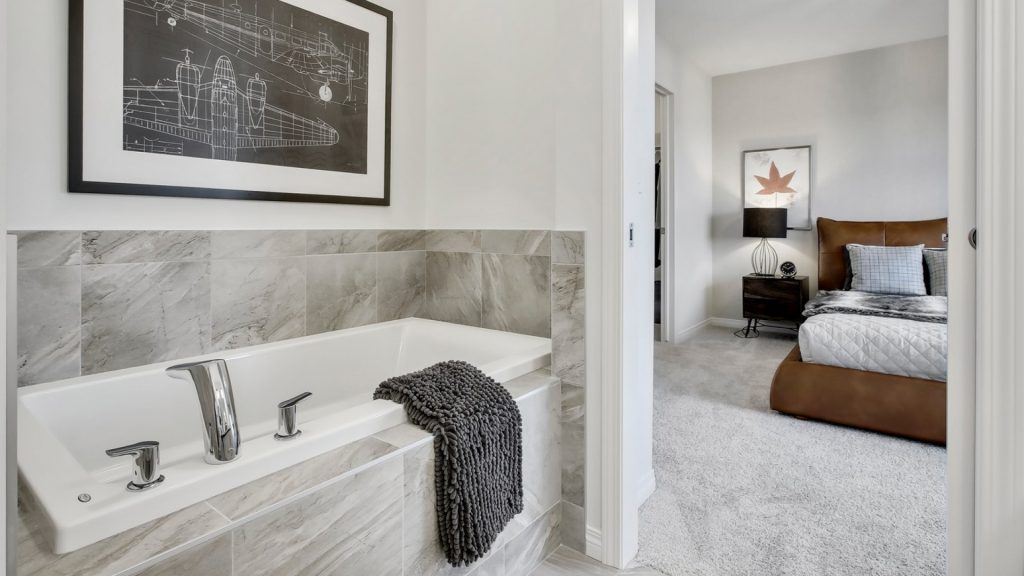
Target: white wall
x=38, y=179
x=4, y=392
x=491, y=114
x=691, y=185
x=878, y=127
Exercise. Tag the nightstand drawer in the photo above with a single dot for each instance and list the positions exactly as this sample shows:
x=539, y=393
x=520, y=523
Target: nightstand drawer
x=775, y=298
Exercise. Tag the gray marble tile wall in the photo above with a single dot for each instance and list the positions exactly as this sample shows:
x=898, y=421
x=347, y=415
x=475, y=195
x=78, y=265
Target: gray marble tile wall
x=568, y=362
x=530, y=282
x=96, y=301
x=365, y=508
x=90, y=302
x=498, y=279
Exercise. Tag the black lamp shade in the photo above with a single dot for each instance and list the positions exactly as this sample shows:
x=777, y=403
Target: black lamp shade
x=764, y=222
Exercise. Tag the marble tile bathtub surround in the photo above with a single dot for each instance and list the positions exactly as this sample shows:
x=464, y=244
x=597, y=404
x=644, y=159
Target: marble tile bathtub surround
x=567, y=247
x=102, y=300
x=453, y=240
x=50, y=323
x=526, y=242
x=537, y=542
x=257, y=243
x=401, y=281
x=517, y=294
x=542, y=449
x=568, y=329
x=168, y=304
x=265, y=492
x=341, y=241
x=135, y=246
x=568, y=362
x=401, y=240
x=341, y=292
x=49, y=248
x=365, y=508
x=115, y=555
x=256, y=301
x=454, y=287
x=210, y=559
x=573, y=425
x=351, y=527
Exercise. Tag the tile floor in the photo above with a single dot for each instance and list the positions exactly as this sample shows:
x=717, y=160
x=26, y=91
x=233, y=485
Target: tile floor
x=568, y=562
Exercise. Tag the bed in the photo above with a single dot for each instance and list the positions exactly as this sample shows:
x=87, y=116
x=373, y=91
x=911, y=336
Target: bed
x=912, y=404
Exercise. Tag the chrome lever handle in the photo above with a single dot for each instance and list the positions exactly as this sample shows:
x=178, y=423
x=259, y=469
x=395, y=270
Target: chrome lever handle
x=145, y=463
x=287, y=417
x=293, y=401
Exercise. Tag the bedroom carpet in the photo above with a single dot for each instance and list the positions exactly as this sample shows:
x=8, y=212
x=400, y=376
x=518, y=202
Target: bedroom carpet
x=744, y=490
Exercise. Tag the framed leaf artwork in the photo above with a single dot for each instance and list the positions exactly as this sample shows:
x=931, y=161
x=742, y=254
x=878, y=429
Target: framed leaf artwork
x=779, y=178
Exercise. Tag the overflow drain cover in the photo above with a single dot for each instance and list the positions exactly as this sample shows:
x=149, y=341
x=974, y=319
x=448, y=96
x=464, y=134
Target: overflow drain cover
x=84, y=498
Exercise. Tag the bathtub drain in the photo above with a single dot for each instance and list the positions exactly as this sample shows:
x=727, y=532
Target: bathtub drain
x=84, y=498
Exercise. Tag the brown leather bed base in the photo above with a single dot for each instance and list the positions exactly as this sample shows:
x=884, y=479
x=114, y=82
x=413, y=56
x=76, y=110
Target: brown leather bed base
x=895, y=405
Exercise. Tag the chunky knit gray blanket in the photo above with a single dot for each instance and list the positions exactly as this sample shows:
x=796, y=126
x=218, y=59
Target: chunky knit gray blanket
x=478, y=448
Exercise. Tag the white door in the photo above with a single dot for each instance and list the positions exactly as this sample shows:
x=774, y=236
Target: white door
x=999, y=396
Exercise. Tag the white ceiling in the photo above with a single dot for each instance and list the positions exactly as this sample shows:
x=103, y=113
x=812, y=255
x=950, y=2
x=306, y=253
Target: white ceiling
x=724, y=36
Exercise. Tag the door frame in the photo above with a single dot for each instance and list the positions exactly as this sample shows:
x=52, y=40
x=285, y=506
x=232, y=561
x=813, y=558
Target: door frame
x=667, y=208
x=627, y=354
x=986, y=448
x=963, y=90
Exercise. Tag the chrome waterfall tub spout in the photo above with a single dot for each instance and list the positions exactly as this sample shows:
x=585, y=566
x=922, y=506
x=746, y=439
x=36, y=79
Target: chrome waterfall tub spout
x=217, y=403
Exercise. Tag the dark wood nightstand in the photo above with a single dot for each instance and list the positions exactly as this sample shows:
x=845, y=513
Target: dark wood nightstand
x=773, y=298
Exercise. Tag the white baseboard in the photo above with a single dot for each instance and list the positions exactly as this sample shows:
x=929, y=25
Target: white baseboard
x=736, y=324
x=595, y=543
x=647, y=486
x=691, y=331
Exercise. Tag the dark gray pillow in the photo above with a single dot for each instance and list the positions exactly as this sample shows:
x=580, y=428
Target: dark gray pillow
x=887, y=269
x=936, y=260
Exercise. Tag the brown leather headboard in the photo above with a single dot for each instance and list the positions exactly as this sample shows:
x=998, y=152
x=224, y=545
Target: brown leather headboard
x=834, y=235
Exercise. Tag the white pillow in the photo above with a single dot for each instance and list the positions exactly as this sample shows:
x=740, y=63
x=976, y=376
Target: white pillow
x=887, y=269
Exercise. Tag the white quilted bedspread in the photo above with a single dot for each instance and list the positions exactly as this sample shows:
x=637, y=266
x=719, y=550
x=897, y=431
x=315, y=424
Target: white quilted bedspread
x=875, y=344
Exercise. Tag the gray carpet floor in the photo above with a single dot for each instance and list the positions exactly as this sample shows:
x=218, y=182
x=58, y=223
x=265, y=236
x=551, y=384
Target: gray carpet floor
x=744, y=490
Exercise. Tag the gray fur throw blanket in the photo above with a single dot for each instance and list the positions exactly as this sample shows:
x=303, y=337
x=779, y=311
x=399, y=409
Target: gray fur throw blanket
x=920, y=308
x=478, y=451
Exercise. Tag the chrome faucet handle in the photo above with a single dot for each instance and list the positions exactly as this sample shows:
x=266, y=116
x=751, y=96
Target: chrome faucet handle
x=145, y=464
x=287, y=417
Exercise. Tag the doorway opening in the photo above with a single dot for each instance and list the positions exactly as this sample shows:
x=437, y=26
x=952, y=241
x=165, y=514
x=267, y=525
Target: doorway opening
x=662, y=195
x=734, y=434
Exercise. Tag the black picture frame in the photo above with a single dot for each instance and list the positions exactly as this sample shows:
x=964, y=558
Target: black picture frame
x=76, y=183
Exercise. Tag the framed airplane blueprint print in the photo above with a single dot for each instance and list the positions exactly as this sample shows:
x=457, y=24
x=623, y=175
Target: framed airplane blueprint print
x=240, y=99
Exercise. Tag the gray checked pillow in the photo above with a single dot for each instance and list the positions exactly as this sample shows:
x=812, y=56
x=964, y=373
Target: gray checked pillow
x=887, y=269
x=935, y=260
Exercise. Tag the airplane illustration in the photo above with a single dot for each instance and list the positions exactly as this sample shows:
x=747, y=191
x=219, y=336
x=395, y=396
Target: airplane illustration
x=312, y=55
x=219, y=114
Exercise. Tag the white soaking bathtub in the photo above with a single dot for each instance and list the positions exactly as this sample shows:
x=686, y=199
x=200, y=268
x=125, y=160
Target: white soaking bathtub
x=64, y=427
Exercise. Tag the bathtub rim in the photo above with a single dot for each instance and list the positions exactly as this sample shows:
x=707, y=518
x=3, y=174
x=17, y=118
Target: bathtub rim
x=33, y=434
